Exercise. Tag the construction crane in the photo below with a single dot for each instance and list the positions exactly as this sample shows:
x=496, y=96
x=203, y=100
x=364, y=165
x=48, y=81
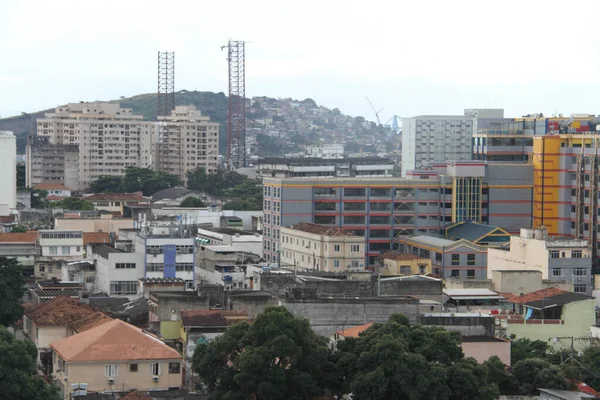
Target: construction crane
x=375, y=111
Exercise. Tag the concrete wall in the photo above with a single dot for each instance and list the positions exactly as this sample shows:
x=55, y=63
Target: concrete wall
x=482, y=351
x=94, y=225
x=327, y=315
x=166, y=304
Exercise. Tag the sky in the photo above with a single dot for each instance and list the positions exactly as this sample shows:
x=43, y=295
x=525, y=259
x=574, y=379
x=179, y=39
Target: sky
x=409, y=57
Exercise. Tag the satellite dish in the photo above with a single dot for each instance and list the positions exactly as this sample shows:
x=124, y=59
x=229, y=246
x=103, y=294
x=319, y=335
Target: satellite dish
x=597, y=128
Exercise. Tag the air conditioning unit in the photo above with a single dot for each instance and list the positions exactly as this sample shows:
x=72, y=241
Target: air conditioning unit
x=155, y=378
x=111, y=381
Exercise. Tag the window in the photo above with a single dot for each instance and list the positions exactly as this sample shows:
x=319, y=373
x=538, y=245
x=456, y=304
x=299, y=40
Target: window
x=556, y=271
x=354, y=192
x=42, y=267
x=576, y=254
x=579, y=271
x=66, y=250
x=336, y=247
x=125, y=265
x=133, y=368
x=422, y=269
x=174, y=368
x=470, y=259
x=123, y=288
x=355, y=248
x=438, y=257
x=471, y=274
x=111, y=370
x=53, y=250
x=455, y=259
x=353, y=220
x=336, y=263
x=455, y=273
x=554, y=254
x=189, y=285
x=580, y=288
x=155, y=369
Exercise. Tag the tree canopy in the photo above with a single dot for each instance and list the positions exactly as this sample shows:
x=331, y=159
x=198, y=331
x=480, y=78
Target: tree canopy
x=192, y=202
x=73, y=203
x=246, y=194
x=135, y=179
x=39, y=199
x=17, y=371
x=12, y=287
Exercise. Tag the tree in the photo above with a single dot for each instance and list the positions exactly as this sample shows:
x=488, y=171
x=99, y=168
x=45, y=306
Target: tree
x=18, y=229
x=12, y=287
x=499, y=374
x=277, y=357
x=21, y=175
x=589, y=365
x=523, y=348
x=38, y=199
x=107, y=184
x=73, y=203
x=533, y=373
x=192, y=202
x=17, y=371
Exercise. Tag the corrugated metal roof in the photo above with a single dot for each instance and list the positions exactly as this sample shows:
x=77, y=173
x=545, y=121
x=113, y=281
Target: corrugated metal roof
x=469, y=292
x=432, y=240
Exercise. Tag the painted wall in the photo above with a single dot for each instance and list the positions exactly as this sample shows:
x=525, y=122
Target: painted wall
x=482, y=351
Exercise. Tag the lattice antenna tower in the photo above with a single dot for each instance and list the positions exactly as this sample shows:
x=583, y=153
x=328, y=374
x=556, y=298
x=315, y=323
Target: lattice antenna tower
x=165, y=101
x=236, y=60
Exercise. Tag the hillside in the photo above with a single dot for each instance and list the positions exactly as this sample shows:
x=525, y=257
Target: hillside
x=275, y=127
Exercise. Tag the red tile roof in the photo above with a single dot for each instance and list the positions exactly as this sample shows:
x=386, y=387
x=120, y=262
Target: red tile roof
x=392, y=255
x=114, y=341
x=584, y=388
x=538, y=295
x=116, y=197
x=136, y=396
x=7, y=219
x=64, y=310
x=355, y=331
x=317, y=229
x=50, y=186
x=13, y=237
x=210, y=318
x=54, y=198
x=95, y=238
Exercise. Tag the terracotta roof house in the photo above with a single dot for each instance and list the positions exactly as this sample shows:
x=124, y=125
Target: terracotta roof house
x=114, y=202
x=354, y=331
x=117, y=356
x=95, y=238
x=55, y=191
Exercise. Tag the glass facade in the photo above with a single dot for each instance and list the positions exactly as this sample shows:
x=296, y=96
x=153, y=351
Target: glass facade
x=467, y=199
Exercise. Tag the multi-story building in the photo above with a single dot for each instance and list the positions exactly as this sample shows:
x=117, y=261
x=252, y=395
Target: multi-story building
x=558, y=258
x=55, y=249
x=309, y=246
x=8, y=164
x=111, y=138
x=186, y=140
x=242, y=241
x=275, y=167
x=51, y=163
x=117, y=271
x=430, y=139
x=394, y=263
x=380, y=209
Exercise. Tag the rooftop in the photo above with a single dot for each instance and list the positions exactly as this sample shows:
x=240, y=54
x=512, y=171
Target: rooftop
x=50, y=186
x=116, y=197
x=354, y=331
x=472, y=294
x=221, y=248
x=95, y=237
x=323, y=161
x=229, y=231
x=392, y=255
x=541, y=294
x=568, y=394
x=136, y=396
x=541, y=302
x=61, y=311
x=104, y=250
x=317, y=229
x=471, y=231
x=27, y=237
x=173, y=193
x=49, y=293
x=482, y=339
x=431, y=240
x=161, y=280
x=113, y=341
x=210, y=318
x=55, y=283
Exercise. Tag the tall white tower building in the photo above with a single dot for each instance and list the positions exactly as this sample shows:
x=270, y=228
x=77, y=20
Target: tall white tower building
x=8, y=172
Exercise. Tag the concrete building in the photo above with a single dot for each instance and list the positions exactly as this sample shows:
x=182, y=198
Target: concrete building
x=393, y=263
x=48, y=162
x=481, y=348
x=274, y=167
x=93, y=223
x=116, y=356
x=381, y=209
x=8, y=166
x=557, y=258
x=220, y=264
x=114, y=202
x=309, y=246
x=56, y=249
x=117, y=271
x=57, y=190
x=430, y=139
x=186, y=140
x=22, y=247
x=242, y=241
x=326, y=151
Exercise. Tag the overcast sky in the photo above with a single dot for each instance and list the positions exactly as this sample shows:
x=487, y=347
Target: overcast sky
x=409, y=57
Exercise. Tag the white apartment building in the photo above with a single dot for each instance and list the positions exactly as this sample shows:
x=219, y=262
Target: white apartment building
x=8, y=168
x=436, y=138
x=241, y=241
x=309, y=246
x=56, y=248
x=187, y=140
x=111, y=138
x=117, y=271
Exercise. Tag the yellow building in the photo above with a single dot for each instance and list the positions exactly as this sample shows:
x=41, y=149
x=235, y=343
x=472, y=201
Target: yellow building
x=394, y=263
x=116, y=356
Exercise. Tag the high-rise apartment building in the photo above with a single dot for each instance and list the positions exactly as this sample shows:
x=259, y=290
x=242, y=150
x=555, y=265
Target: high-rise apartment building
x=8, y=168
x=51, y=163
x=380, y=209
x=310, y=167
x=111, y=138
x=186, y=141
x=430, y=139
